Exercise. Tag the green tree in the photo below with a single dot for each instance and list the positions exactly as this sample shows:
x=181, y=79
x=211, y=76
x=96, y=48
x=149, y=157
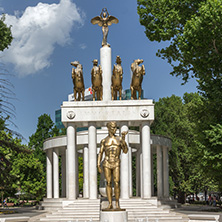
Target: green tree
x=172, y=120
x=29, y=174
x=5, y=34
x=45, y=129
x=19, y=169
x=208, y=138
x=6, y=92
x=194, y=32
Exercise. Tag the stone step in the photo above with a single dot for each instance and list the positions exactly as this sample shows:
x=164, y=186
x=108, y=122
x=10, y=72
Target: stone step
x=80, y=215
x=157, y=220
x=53, y=199
x=82, y=206
x=79, y=218
x=70, y=214
x=69, y=220
x=51, y=204
x=204, y=218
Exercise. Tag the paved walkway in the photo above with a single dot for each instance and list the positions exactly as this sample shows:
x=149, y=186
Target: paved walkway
x=32, y=212
x=20, y=212
x=199, y=209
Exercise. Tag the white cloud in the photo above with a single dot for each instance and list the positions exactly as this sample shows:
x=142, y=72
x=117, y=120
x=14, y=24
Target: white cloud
x=37, y=31
x=83, y=46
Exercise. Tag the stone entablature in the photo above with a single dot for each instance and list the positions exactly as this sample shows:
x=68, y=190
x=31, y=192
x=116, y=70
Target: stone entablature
x=132, y=111
x=82, y=140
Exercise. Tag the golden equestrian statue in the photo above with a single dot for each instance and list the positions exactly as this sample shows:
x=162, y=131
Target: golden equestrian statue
x=137, y=78
x=112, y=146
x=104, y=20
x=117, y=78
x=78, y=82
x=96, y=75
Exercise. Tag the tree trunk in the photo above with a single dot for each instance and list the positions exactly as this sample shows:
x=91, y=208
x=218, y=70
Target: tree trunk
x=181, y=197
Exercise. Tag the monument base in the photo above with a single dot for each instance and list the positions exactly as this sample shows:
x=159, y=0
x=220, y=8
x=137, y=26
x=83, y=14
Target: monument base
x=113, y=216
x=113, y=209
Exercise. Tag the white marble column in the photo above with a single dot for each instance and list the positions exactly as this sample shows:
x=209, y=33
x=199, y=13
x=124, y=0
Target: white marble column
x=63, y=170
x=85, y=172
x=124, y=168
x=152, y=174
x=71, y=158
x=77, y=166
x=141, y=175
x=56, y=173
x=138, y=173
x=67, y=178
x=159, y=171
x=130, y=173
x=166, y=172
x=92, y=161
x=106, y=61
x=146, y=156
x=49, y=172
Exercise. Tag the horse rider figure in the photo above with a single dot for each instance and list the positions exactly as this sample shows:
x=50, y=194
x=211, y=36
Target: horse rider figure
x=96, y=75
x=137, y=78
x=78, y=82
x=117, y=78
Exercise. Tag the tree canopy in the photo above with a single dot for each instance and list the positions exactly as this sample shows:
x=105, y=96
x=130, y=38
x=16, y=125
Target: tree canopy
x=174, y=118
x=193, y=29
x=45, y=129
x=5, y=34
x=7, y=109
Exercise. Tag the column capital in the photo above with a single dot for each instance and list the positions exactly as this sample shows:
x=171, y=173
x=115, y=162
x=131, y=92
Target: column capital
x=145, y=123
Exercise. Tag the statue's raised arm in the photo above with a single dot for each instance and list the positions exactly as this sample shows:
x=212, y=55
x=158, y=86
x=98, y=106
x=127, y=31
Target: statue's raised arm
x=104, y=20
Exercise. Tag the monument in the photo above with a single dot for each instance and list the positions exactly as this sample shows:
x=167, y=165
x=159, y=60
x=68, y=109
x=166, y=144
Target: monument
x=118, y=116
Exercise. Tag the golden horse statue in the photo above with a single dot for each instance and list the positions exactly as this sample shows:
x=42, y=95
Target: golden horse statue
x=137, y=78
x=78, y=82
x=117, y=78
x=96, y=75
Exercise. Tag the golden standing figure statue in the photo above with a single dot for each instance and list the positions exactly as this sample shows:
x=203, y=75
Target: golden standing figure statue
x=117, y=78
x=137, y=78
x=112, y=146
x=104, y=20
x=96, y=75
x=78, y=82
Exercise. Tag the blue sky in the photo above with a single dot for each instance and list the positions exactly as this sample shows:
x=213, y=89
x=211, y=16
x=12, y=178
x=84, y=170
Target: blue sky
x=49, y=34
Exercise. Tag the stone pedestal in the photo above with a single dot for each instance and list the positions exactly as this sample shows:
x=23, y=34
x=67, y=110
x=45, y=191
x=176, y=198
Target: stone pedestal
x=113, y=216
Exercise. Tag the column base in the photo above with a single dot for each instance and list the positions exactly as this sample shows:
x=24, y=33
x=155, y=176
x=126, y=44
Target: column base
x=113, y=216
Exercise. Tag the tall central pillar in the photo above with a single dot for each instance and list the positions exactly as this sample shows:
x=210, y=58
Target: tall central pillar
x=106, y=61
